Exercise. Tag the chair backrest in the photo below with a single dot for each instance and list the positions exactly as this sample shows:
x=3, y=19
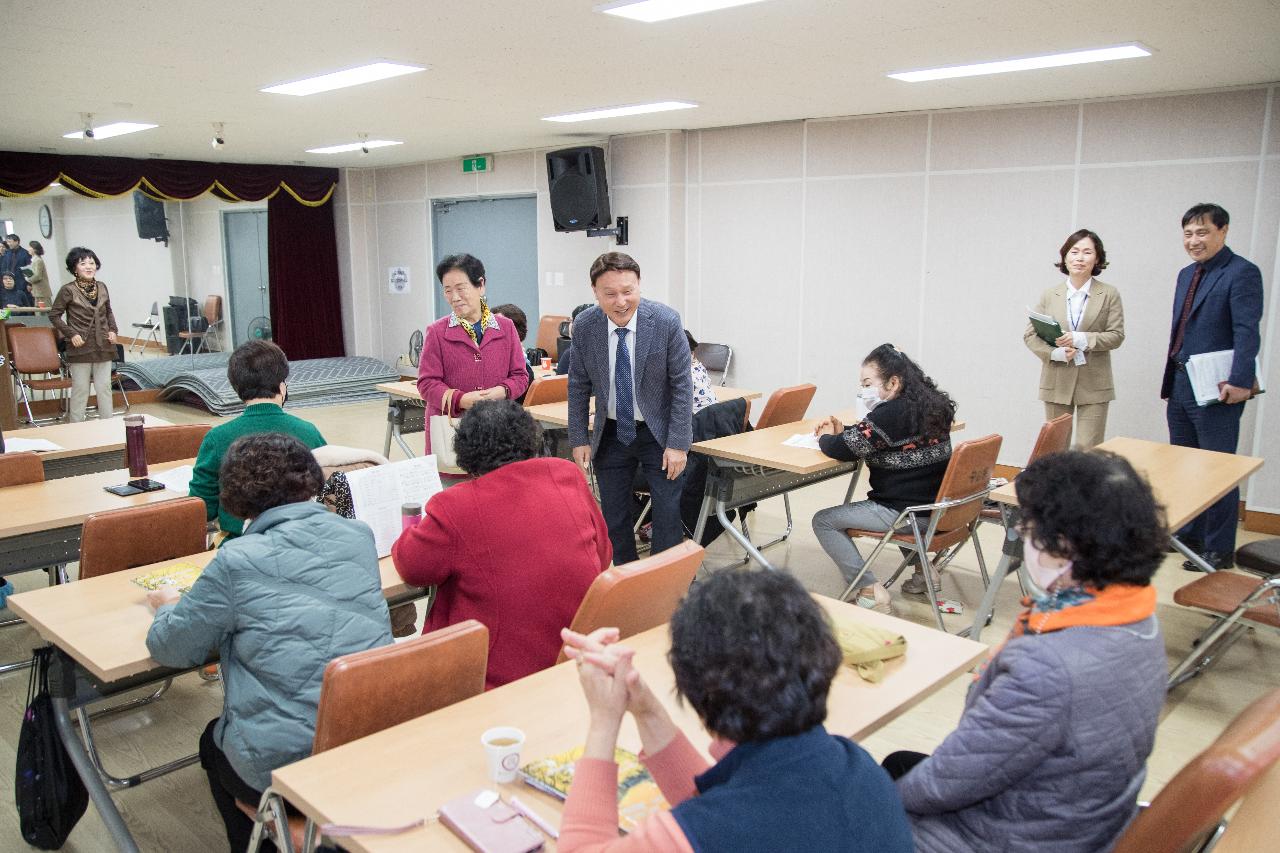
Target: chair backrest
x=18, y=469
x=110, y=541
x=549, y=334
x=1235, y=765
x=1054, y=437
x=641, y=595
x=155, y=311
x=968, y=473
x=787, y=405
x=369, y=691
x=171, y=443
x=34, y=349
x=213, y=309
x=553, y=389
x=715, y=358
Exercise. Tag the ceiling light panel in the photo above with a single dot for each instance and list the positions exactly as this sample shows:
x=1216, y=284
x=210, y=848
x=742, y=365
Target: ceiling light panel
x=353, y=146
x=342, y=79
x=106, y=131
x=1052, y=60
x=650, y=11
x=615, y=112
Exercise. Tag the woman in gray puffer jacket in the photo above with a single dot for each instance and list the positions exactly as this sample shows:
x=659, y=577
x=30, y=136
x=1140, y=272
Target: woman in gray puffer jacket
x=298, y=589
x=1051, y=751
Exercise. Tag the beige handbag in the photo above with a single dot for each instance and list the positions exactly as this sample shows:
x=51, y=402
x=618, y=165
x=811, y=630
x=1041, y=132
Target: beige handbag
x=866, y=648
x=443, y=429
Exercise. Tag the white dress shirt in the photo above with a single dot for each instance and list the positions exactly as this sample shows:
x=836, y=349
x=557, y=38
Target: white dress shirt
x=613, y=365
x=1077, y=301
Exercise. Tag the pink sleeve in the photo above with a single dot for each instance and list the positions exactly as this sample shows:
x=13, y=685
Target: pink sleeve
x=517, y=379
x=674, y=766
x=590, y=820
x=431, y=384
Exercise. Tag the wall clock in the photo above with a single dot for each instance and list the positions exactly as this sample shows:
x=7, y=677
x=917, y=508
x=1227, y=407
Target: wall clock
x=46, y=221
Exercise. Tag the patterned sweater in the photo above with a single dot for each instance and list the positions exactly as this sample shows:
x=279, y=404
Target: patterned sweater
x=906, y=469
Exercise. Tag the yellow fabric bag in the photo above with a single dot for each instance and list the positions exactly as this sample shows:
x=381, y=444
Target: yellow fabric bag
x=866, y=648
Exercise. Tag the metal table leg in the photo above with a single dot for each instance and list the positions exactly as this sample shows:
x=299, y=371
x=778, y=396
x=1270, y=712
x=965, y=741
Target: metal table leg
x=62, y=682
x=1195, y=558
x=752, y=551
x=1010, y=562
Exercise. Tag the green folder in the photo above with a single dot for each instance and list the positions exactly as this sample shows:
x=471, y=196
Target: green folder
x=1049, y=331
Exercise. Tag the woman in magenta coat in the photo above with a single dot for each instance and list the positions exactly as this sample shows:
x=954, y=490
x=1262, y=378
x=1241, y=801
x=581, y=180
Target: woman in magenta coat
x=472, y=351
x=515, y=548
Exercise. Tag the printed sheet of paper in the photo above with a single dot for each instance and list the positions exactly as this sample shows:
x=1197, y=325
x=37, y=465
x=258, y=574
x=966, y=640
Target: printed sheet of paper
x=175, y=479
x=20, y=445
x=802, y=440
x=1207, y=370
x=378, y=492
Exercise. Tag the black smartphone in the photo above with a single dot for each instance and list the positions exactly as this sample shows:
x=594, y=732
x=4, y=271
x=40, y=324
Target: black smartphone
x=123, y=491
x=144, y=484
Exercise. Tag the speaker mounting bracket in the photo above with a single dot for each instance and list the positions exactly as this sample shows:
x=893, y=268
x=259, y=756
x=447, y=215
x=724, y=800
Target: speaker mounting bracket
x=620, y=233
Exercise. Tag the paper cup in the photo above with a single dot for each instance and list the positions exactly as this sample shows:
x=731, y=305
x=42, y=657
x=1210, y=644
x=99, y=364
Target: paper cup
x=546, y=364
x=502, y=747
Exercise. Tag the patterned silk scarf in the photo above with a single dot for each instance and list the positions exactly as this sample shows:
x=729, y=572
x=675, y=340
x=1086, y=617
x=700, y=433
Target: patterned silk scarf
x=88, y=288
x=486, y=320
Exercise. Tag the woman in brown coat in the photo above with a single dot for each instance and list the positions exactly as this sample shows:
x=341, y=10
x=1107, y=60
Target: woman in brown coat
x=82, y=315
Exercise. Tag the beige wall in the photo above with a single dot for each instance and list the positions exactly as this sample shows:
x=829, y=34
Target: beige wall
x=806, y=244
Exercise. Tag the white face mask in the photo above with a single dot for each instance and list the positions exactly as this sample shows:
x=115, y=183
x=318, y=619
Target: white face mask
x=869, y=396
x=1043, y=576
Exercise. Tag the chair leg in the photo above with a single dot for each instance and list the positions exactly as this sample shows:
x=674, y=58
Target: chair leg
x=271, y=810
x=923, y=551
x=116, y=783
x=977, y=550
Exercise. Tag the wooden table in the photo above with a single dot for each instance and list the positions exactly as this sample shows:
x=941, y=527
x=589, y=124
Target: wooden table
x=1186, y=480
x=557, y=414
x=87, y=447
x=99, y=628
x=407, y=772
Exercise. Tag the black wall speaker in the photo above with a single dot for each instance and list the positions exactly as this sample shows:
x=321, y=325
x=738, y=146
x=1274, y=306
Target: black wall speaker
x=149, y=216
x=579, y=189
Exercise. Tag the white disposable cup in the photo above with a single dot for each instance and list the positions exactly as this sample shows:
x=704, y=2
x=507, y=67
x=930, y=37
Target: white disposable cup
x=504, y=759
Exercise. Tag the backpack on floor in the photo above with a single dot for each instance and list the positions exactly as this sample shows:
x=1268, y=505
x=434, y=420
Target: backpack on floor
x=49, y=793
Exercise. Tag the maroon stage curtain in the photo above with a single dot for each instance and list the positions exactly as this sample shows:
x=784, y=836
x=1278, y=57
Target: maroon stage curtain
x=164, y=180
x=302, y=261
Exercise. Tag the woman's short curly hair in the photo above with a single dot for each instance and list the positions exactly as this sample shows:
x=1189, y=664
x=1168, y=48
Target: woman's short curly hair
x=1093, y=508
x=493, y=433
x=265, y=470
x=754, y=655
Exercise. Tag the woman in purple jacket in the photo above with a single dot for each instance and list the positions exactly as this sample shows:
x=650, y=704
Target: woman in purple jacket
x=1051, y=751
x=471, y=351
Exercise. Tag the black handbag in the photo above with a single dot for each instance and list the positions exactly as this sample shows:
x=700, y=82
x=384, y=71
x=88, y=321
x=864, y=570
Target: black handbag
x=49, y=793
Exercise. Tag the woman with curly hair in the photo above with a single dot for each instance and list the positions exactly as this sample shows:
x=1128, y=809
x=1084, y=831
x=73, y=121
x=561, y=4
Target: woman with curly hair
x=82, y=314
x=514, y=547
x=905, y=441
x=298, y=589
x=754, y=656
x=1051, y=750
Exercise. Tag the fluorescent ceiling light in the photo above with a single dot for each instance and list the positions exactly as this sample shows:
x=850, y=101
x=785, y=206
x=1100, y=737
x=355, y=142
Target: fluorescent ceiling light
x=106, y=131
x=662, y=10
x=353, y=146
x=614, y=112
x=342, y=79
x=1052, y=60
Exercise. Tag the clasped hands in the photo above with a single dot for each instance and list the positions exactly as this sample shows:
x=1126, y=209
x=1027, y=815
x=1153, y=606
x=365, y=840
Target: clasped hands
x=1067, y=342
x=469, y=399
x=829, y=425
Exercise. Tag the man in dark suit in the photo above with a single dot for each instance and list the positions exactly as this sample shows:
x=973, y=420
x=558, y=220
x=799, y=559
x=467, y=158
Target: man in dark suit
x=632, y=356
x=1217, y=306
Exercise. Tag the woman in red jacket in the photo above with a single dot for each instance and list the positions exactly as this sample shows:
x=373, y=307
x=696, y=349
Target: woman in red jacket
x=515, y=547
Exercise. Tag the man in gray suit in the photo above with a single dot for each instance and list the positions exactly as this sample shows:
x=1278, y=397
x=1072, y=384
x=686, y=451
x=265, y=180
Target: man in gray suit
x=632, y=356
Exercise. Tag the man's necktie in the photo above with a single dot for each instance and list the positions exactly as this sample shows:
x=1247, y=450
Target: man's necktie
x=1186, y=311
x=625, y=394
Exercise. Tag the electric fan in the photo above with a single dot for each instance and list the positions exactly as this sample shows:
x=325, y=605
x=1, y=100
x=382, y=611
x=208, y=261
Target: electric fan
x=260, y=329
x=415, y=347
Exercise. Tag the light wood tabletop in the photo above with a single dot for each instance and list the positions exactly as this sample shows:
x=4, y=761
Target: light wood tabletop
x=85, y=438
x=408, y=389
x=102, y=622
x=765, y=447
x=1185, y=479
x=407, y=772
x=66, y=502
x=557, y=414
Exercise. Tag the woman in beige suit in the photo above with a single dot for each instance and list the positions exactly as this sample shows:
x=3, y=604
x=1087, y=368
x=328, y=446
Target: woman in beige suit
x=1076, y=376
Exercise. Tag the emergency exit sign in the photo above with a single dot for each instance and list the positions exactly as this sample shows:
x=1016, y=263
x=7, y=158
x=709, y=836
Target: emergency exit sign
x=477, y=164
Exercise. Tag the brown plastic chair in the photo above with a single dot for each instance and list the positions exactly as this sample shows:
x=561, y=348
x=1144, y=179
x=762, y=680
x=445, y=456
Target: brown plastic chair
x=638, y=596
x=367, y=692
x=784, y=406
x=1242, y=765
x=213, y=315
x=1237, y=599
x=553, y=389
x=171, y=443
x=1054, y=437
x=942, y=527
x=34, y=350
x=19, y=469
x=548, y=338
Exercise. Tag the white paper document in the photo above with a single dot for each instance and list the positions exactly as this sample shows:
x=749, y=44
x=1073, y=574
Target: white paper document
x=1207, y=369
x=21, y=445
x=178, y=479
x=377, y=494
x=803, y=440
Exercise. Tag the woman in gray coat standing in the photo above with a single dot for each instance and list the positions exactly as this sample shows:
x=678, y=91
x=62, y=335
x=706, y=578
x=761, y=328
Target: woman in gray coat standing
x=82, y=314
x=299, y=588
x=1051, y=751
